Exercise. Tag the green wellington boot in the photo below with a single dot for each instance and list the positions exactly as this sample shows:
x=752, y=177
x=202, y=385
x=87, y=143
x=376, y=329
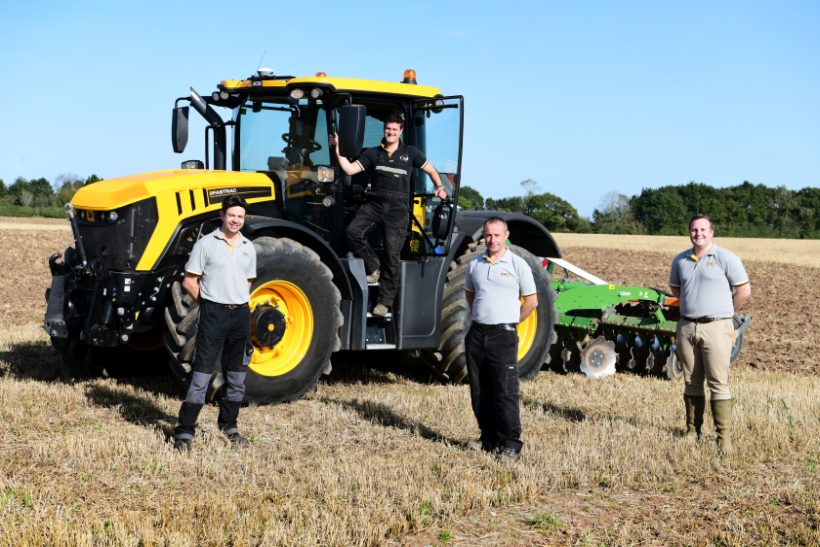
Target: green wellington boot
x=722, y=414
x=695, y=408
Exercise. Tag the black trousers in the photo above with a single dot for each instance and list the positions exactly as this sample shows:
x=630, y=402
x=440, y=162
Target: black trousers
x=393, y=211
x=221, y=331
x=492, y=353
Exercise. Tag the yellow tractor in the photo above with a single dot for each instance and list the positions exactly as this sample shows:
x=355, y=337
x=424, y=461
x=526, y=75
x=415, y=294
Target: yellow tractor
x=116, y=294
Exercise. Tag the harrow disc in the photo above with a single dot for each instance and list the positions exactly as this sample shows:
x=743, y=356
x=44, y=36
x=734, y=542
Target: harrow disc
x=571, y=354
x=674, y=369
x=598, y=358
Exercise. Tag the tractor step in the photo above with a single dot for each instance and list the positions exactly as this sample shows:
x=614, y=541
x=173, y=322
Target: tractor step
x=381, y=346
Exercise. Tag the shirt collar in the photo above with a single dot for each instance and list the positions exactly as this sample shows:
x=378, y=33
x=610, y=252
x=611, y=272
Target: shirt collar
x=504, y=258
x=219, y=235
x=383, y=145
x=709, y=252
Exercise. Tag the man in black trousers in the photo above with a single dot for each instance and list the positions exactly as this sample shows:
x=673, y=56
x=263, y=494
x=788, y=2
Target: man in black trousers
x=218, y=275
x=495, y=285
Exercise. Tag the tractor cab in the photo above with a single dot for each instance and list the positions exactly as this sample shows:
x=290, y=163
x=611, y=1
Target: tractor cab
x=281, y=126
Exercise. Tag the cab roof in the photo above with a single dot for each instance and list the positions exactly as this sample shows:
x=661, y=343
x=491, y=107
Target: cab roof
x=268, y=83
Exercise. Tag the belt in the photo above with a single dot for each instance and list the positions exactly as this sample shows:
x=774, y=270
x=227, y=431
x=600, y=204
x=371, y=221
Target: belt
x=703, y=319
x=497, y=326
x=226, y=306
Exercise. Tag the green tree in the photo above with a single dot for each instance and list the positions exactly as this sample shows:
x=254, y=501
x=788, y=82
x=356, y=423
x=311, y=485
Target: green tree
x=661, y=211
x=67, y=186
x=511, y=204
x=616, y=216
x=553, y=212
x=808, y=200
x=42, y=192
x=702, y=199
x=469, y=198
x=16, y=189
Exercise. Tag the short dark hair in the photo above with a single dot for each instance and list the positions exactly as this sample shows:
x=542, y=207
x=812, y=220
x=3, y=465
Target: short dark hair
x=234, y=201
x=698, y=217
x=395, y=117
x=493, y=220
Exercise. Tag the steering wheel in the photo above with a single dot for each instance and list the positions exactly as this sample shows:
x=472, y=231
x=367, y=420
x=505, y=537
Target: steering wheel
x=310, y=144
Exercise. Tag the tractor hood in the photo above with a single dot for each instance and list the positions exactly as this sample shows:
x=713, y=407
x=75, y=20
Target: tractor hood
x=184, y=189
x=143, y=213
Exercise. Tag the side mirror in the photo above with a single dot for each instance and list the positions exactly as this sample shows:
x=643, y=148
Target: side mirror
x=442, y=220
x=351, y=129
x=179, y=129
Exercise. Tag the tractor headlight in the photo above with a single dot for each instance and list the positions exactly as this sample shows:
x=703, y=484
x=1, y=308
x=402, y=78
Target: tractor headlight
x=113, y=216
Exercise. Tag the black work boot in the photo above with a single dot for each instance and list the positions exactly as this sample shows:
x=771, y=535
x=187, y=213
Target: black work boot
x=182, y=445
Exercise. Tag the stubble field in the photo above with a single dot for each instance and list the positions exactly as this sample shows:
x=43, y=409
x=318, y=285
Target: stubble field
x=376, y=455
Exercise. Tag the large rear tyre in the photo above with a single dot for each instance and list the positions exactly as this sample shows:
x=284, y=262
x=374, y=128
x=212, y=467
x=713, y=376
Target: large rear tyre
x=295, y=321
x=535, y=335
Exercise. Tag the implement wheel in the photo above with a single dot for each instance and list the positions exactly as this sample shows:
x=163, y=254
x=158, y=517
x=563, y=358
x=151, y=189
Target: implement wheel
x=535, y=335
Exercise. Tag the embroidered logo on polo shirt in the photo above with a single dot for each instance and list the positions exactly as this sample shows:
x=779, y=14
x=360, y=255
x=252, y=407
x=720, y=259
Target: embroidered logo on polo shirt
x=505, y=274
x=404, y=158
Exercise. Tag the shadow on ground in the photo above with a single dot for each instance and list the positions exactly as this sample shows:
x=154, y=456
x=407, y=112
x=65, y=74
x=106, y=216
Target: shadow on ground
x=381, y=414
x=377, y=367
x=576, y=415
x=38, y=361
x=139, y=410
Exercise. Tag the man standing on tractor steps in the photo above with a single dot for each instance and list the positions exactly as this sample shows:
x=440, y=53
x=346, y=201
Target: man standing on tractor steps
x=495, y=284
x=391, y=166
x=218, y=275
x=712, y=285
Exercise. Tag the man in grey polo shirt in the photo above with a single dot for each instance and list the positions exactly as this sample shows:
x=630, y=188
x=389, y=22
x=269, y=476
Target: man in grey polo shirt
x=494, y=285
x=218, y=275
x=712, y=285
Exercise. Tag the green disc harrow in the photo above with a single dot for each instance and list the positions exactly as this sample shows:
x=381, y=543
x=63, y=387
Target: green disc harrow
x=603, y=327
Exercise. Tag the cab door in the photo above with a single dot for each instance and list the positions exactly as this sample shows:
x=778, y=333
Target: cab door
x=437, y=130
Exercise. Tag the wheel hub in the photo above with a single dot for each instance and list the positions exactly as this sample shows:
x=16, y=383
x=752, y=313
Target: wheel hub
x=268, y=326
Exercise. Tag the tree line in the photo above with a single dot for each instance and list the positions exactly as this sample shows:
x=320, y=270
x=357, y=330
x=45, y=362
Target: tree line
x=39, y=196
x=745, y=210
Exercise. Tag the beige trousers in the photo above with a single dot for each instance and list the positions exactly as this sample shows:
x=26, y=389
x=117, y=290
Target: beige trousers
x=703, y=350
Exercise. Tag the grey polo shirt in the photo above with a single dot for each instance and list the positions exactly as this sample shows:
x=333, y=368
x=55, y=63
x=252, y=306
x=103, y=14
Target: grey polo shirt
x=224, y=270
x=498, y=287
x=706, y=284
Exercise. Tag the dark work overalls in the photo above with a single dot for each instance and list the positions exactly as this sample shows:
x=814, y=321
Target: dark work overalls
x=388, y=203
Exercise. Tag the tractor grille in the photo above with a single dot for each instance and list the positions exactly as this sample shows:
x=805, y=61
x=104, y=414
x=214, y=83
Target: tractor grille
x=118, y=244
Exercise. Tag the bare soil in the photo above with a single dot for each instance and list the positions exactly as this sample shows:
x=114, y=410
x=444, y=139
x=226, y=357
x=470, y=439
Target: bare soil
x=783, y=337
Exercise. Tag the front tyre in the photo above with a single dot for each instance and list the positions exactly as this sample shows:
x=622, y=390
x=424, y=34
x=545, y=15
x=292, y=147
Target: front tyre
x=295, y=321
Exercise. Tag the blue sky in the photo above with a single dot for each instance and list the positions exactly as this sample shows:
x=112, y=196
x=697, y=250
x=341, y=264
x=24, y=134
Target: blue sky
x=585, y=97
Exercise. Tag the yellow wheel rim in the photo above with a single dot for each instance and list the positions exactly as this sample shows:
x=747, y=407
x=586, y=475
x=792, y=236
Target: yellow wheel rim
x=294, y=305
x=526, y=333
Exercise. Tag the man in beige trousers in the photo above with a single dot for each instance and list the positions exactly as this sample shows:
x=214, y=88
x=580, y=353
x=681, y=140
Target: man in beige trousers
x=712, y=285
